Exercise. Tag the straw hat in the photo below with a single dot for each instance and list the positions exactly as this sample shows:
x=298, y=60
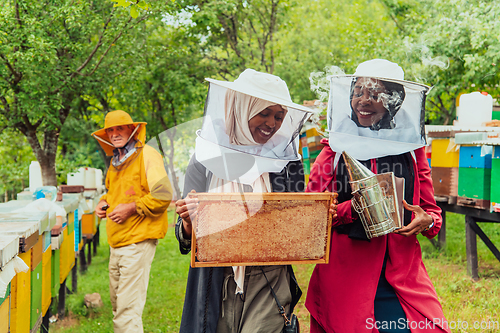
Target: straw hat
x=264, y=86
x=118, y=118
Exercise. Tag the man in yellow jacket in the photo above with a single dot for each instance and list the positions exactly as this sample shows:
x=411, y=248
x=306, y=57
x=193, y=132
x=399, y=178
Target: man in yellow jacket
x=138, y=194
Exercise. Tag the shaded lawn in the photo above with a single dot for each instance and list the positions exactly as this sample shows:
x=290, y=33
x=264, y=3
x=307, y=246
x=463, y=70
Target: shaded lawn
x=165, y=292
x=463, y=300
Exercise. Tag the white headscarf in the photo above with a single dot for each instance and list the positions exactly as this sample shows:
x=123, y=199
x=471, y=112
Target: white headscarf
x=239, y=109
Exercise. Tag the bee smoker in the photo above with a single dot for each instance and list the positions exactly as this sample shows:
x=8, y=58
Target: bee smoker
x=369, y=199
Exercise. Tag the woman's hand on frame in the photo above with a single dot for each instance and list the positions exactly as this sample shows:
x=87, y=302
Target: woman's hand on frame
x=187, y=209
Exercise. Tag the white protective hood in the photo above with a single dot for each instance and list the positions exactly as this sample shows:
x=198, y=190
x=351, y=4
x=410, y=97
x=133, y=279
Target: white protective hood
x=245, y=163
x=353, y=125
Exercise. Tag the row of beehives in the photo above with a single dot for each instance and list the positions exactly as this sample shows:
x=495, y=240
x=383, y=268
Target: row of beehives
x=463, y=170
x=47, y=249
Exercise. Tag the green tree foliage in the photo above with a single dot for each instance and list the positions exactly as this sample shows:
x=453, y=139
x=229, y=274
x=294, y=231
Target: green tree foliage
x=165, y=86
x=237, y=34
x=134, y=6
x=325, y=33
x=16, y=158
x=77, y=149
x=455, y=50
x=288, y=38
x=52, y=53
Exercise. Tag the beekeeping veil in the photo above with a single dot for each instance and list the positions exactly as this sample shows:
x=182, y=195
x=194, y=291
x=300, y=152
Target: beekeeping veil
x=225, y=145
x=375, y=112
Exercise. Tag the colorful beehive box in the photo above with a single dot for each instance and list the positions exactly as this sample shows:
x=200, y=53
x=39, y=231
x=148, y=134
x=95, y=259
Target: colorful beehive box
x=474, y=187
x=68, y=248
x=307, y=166
x=495, y=183
x=305, y=152
x=36, y=253
x=89, y=225
x=7, y=294
x=445, y=181
x=36, y=297
x=5, y=314
x=55, y=268
x=71, y=222
x=67, y=256
x=444, y=154
x=46, y=279
x=5, y=311
x=70, y=203
x=36, y=284
x=496, y=152
x=310, y=148
x=78, y=233
x=20, y=302
x=474, y=157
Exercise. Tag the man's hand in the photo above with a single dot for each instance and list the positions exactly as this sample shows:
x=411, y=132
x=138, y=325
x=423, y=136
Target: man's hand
x=101, y=213
x=122, y=212
x=421, y=221
x=187, y=209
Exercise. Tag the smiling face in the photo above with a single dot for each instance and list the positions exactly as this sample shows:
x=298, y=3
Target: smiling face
x=367, y=101
x=266, y=123
x=118, y=135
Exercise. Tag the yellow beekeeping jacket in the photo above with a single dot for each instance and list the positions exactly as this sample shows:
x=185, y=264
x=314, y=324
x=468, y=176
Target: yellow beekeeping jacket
x=142, y=179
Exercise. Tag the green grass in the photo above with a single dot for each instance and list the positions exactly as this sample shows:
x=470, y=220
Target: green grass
x=463, y=300
x=166, y=289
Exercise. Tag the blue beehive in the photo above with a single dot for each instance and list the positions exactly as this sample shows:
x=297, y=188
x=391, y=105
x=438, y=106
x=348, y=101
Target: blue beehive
x=305, y=152
x=470, y=157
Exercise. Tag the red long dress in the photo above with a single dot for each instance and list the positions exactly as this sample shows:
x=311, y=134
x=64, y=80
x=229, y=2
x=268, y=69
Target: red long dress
x=341, y=293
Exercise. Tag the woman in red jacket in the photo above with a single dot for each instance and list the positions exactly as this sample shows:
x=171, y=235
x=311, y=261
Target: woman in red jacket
x=378, y=284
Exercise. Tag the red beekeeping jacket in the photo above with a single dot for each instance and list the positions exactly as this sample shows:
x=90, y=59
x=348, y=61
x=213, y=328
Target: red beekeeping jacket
x=341, y=293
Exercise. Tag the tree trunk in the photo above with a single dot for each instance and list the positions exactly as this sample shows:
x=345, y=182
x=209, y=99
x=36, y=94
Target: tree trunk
x=46, y=156
x=169, y=152
x=49, y=176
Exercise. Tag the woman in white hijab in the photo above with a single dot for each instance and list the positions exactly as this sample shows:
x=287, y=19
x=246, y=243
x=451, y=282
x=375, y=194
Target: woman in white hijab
x=257, y=119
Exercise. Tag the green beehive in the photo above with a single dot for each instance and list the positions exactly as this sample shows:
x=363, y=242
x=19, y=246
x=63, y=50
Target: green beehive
x=55, y=272
x=495, y=181
x=307, y=166
x=474, y=183
x=36, y=295
x=313, y=155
